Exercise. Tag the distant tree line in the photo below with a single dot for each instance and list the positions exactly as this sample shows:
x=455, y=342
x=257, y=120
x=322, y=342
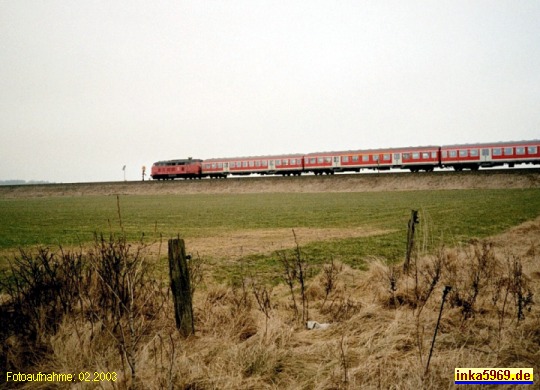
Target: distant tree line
x=21, y=182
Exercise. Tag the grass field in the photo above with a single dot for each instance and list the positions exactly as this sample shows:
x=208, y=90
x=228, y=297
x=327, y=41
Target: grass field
x=250, y=323
x=448, y=216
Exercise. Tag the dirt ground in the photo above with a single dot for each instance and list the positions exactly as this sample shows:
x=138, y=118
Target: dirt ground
x=244, y=243
x=364, y=182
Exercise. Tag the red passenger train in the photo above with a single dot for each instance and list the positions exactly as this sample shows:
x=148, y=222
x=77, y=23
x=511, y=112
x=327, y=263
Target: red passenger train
x=415, y=159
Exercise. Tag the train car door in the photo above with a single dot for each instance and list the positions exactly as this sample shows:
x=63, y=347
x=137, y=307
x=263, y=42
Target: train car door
x=226, y=167
x=336, y=162
x=396, y=160
x=271, y=166
x=486, y=155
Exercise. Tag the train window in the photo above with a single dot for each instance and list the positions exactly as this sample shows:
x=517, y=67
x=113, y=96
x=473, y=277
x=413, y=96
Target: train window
x=257, y=163
x=532, y=149
x=444, y=154
x=396, y=156
x=355, y=158
x=220, y=165
x=386, y=157
x=452, y=153
x=520, y=150
x=214, y=166
x=345, y=159
x=416, y=156
x=497, y=152
x=265, y=163
x=433, y=154
x=244, y=164
x=252, y=164
x=328, y=160
x=473, y=152
x=463, y=153
x=365, y=158
x=406, y=156
x=425, y=156
x=320, y=160
x=285, y=162
x=508, y=151
x=375, y=157
x=313, y=160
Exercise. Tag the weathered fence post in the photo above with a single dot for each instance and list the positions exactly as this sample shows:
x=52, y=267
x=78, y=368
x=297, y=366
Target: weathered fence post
x=180, y=287
x=410, y=239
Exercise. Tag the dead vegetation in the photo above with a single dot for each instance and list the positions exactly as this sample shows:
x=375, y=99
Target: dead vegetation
x=104, y=310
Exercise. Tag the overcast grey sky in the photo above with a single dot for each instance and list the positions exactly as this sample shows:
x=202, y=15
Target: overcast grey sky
x=87, y=87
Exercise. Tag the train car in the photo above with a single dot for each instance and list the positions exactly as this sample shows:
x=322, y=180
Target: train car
x=177, y=169
x=415, y=159
x=412, y=158
x=291, y=164
x=474, y=156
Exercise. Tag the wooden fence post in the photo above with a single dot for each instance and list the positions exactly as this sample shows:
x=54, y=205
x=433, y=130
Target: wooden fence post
x=180, y=287
x=410, y=239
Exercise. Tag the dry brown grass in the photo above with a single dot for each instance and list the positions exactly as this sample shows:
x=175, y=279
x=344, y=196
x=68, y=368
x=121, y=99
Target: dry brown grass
x=382, y=323
x=242, y=243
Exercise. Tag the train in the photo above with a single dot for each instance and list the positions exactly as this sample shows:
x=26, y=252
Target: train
x=414, y=159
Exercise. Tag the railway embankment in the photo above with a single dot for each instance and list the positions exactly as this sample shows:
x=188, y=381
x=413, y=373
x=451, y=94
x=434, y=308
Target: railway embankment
x=363, y=182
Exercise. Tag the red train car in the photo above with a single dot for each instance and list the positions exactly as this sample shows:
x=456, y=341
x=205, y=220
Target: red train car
x=474, y=156
x=173, y=169
x=413, y=158
x=291, y=164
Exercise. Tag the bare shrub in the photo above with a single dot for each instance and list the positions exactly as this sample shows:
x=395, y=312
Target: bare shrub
x=262, y=295
x=107, y=290
x=41, y=288
x=127, y=298
x=295, y=270
x=330, y=274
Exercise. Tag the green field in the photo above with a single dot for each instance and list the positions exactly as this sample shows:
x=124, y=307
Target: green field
x=447, y=217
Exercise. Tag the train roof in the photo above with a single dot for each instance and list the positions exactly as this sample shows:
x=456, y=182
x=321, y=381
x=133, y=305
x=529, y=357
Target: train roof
x=266, y=157
x=381, y=150
x=178, y=161
x=488, y=144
